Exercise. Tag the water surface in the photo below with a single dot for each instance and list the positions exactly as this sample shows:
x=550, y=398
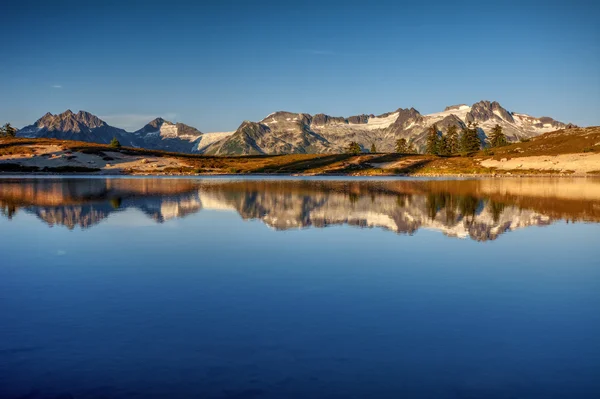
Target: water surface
x=299, y=288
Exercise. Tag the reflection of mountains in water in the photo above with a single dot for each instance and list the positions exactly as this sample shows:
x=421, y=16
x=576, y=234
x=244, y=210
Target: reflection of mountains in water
x=480, y=209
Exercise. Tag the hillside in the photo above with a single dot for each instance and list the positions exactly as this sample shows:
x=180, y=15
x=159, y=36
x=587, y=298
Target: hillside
x=568, y=151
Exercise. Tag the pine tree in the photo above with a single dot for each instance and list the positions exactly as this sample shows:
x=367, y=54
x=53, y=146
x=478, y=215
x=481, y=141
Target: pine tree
x=469, y=140
x=401, y=146
x=412, y=149
x=354, y=148
x=114, y=143
x=373, y=148
x=7, y=131
x=497, y=137
x=443, y=147
x=432, y=141
x=452, y=140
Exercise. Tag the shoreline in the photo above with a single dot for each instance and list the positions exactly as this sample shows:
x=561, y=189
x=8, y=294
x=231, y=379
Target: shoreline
x=365, y=176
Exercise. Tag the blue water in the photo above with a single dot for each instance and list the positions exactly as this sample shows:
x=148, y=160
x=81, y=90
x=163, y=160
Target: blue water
x=209, y=304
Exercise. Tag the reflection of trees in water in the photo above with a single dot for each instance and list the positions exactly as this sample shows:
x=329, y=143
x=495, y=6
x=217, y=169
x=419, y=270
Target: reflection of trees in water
x=465, y=205
x=468, y=205
x=116, y=202
x=8, y=210
x=457, y=208
x=403, y=199
x=496, y=208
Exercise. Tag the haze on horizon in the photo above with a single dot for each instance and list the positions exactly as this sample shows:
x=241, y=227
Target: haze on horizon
x=214, y=65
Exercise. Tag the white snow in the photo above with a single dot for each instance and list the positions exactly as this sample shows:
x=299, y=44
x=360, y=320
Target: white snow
x=168, y=130
x=461, y=113
x=373, y=123
x=497, y=113
x=382, y=123
x=208, y=138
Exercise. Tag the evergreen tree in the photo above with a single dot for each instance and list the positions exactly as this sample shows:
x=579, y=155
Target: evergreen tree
x=432, y=141
x=373, y=148
x=497, y=137
x=114, y=143
x=354, y=148
x=469, y=140
x=401, y=146
x=8, y=131
x=452, y=140
x=443, y=147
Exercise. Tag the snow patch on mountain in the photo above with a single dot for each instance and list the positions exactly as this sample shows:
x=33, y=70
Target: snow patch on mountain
x=460, y=112
x=209, y=138
x=168, y=130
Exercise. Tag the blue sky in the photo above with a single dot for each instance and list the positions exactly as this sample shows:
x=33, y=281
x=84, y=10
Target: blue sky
x=214, y=65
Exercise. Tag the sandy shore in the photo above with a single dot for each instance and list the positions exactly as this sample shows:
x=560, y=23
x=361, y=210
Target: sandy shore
x=577, y=163
x=109, y=162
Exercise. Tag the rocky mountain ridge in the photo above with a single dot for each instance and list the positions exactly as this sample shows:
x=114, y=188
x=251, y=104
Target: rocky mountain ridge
x=286, y=132
x=158, y=134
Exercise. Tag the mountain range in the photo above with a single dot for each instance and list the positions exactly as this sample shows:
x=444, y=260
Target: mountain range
x=286, y=132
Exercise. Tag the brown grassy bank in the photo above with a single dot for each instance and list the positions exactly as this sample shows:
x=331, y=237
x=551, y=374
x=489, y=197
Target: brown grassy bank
x=565, y=152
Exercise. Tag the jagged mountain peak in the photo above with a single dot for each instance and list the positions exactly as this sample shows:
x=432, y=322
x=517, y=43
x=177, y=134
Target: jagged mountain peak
x=159, y=128
x=157, y=121
x=67, y=125
x=153, y=125
x=456, y=107
x=286, y=116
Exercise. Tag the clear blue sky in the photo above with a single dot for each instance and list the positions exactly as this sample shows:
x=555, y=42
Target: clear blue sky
x=214, y=64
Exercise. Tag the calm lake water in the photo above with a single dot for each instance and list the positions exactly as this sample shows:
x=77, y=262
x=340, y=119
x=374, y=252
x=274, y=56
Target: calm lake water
x=299, y=288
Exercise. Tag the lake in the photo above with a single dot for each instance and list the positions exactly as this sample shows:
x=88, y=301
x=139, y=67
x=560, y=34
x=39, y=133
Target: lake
x=299, y=288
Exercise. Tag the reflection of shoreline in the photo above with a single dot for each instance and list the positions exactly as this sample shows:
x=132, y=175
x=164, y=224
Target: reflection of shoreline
x=480, y=209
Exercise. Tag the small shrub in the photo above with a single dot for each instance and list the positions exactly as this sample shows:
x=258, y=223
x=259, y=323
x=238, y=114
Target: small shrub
x=588, y=149
x=114, y=143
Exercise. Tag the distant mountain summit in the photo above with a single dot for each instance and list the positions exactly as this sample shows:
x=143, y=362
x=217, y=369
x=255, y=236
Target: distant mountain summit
x=287, y=132
x=164, y=135
x=168, y=129
x=158, y=134
x=81, y=126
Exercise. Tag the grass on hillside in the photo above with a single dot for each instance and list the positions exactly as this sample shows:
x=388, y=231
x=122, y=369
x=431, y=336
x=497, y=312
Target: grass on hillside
x=561, y=142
